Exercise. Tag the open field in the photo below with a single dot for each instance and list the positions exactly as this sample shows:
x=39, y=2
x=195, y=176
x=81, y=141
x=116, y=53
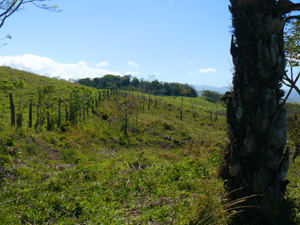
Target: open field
x=165, y=171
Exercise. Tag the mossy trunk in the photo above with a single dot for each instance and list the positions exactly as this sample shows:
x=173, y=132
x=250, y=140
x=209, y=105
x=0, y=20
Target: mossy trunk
x=257, y=162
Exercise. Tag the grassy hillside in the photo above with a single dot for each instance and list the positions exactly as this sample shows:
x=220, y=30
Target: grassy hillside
x=165, y=171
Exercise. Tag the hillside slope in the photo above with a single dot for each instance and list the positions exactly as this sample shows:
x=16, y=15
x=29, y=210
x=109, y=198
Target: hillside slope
x=164, y=171
x=93, y=173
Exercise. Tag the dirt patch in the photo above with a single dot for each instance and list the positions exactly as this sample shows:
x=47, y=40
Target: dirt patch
x=164, y=145
x=53, y=154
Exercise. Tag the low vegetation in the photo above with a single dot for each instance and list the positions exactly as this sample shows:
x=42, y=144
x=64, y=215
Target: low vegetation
x=162, y=171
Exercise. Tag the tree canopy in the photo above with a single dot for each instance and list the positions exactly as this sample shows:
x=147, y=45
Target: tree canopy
x=154, y=87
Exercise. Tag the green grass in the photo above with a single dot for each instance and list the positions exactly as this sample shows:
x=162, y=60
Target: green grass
x=165, y=171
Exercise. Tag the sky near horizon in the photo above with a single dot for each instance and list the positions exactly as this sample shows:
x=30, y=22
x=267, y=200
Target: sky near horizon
x=185, y=41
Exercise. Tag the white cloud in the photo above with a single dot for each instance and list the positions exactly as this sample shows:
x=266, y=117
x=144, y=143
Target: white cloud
x=47, y=67
x=208, y=70
x=132, y=64
x=82, y=64
x=102, y=64
x=132, y=73
x=189, y=73
x=192, y=61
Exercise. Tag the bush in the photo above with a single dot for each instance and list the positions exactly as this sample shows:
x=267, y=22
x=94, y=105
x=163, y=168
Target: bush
x=65, y=125
x=70, y=156
x=168, y=126
x=104, y=116
x=176, y=141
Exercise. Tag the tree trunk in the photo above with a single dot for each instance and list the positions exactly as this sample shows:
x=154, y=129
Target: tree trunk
x=255, y=162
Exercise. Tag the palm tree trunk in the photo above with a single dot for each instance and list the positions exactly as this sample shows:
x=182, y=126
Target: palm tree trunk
x=255, y=163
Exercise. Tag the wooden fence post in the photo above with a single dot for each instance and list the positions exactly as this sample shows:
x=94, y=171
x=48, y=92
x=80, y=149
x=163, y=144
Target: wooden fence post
x=48, y=121
x=83, y=110
x=93, y=109
x=30, y=113
x=12, y=110
x=87, y=110
x=96, y=101
x=149, y=103
x=37, y=115
x=66, y=111
x=59, y=110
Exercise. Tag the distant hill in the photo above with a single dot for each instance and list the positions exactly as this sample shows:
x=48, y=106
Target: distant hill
x=221, y=90
x=294, y=96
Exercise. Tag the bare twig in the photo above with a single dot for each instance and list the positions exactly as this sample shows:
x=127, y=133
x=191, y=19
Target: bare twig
x=2, y=203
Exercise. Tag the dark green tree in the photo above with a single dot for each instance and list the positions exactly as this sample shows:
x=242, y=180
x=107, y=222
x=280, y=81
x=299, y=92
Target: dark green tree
x=212, y=96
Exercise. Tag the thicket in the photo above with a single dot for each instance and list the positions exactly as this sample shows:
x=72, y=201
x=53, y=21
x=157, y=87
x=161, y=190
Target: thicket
x=154, y=87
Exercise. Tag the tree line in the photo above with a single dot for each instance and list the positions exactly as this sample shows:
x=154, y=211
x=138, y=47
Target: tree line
x=154, y=87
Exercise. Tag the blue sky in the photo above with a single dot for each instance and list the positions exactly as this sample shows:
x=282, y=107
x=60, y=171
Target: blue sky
x=184, y=41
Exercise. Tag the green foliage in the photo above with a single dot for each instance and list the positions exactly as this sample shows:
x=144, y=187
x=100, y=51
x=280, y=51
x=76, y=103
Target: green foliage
x=5, y=85
x=70, y=156
x=212, y=96
x=292, y=43
x=155, y=87
x=104, y=116
x=294, y=133
x=65, y=126
x=168, y=126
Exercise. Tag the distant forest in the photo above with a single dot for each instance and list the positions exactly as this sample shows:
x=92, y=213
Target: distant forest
x=154, y=87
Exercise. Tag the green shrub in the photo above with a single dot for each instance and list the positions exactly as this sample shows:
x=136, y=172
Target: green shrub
x=19, y=119
x=30, y=149
x=176, y=141
x=70, y=156
x=168, y=126
x=9, y=141
x=104, y=116
x=65, y=126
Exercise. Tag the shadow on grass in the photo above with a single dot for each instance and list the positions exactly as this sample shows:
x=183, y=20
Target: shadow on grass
x=285, y=215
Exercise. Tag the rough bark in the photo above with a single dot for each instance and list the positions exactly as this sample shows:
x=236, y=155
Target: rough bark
x=257, y=162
